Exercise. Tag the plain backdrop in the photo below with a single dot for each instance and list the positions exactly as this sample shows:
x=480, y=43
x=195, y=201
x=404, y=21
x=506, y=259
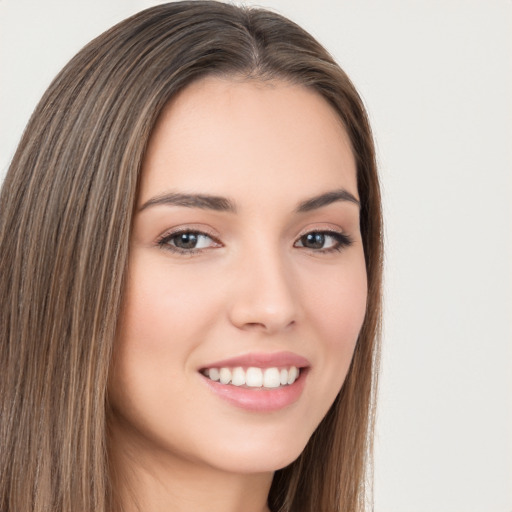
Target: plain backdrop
x=437, y=80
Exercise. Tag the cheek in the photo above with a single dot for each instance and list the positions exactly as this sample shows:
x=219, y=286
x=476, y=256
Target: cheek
x=350, y=304
x=337, y=310
x=163, y=310
x=156, y=331
x=337, y=300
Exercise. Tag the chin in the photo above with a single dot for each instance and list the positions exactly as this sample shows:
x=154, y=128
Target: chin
x=253, y=455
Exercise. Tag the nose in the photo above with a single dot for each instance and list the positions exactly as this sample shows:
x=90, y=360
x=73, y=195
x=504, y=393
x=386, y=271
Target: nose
x=264, y=296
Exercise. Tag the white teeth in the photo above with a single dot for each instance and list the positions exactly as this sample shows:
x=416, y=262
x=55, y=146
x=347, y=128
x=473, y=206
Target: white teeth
x=225, y=375
x=292, y=375
x=238, y=377
x=271, y=378
x=253, y=377
x=214, y=374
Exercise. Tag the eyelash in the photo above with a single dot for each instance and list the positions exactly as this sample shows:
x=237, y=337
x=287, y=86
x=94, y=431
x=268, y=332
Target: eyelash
x=341, y=241
x=164, y=241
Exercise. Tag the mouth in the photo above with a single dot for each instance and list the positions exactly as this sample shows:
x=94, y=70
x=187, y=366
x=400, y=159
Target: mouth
x=258, y=382
x=253, y=376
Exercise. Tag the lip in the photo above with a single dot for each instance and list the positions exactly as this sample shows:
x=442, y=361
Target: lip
x=260, y=399
x=262, y=360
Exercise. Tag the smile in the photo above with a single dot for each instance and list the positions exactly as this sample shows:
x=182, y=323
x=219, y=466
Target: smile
x=258, y=382
x=254, y=377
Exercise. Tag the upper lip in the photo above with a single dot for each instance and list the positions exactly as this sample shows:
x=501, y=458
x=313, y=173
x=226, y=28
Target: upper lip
x=262, y=360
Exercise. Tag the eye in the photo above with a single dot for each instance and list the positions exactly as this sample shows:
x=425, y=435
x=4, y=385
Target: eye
x=324, y=241
x=187, y=241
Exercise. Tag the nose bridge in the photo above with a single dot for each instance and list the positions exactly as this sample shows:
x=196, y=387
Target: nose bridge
x=264, y=296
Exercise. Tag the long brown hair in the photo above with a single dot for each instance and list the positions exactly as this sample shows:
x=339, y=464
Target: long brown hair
x=65, y=218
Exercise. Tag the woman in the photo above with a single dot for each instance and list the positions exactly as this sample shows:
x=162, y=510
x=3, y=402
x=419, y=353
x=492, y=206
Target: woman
x=190, y=247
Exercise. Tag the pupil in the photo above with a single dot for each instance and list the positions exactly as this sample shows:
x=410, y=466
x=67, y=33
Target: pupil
x=315, y=240
x=186, y=241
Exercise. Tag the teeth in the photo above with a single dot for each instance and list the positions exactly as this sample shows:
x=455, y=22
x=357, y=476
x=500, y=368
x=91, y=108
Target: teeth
x=271, y=378
x=214, y=374
x=292, y=375
x=253, y=377
x=238, y=378
x=225, y=375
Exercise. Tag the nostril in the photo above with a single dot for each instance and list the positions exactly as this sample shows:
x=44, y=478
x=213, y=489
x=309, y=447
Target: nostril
x=268, y=326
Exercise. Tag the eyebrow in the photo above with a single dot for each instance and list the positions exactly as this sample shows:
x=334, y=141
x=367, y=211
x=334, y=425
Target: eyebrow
x=222, y=204
x=202, y=201
x=326, y=199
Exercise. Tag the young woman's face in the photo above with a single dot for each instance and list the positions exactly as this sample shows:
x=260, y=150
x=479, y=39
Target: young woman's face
x=246, y=269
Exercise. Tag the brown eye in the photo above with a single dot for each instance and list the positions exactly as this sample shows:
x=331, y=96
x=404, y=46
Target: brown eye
x=323, y=241
x=187, y=241
x=313, y=240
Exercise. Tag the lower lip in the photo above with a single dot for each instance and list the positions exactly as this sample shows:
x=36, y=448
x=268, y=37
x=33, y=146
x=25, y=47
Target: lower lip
x=260, y=399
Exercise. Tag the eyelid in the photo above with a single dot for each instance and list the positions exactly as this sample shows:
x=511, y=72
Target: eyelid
x=310, y=228
x=343, y=239
x=178, y=230
x=322, y=227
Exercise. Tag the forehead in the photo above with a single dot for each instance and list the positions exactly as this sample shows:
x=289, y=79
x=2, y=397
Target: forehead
x=225, y=136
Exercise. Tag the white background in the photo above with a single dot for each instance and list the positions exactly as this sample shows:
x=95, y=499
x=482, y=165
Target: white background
x=437, y=80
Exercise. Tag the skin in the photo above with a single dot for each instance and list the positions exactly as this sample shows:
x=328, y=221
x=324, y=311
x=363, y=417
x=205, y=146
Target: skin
x=252, y=286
